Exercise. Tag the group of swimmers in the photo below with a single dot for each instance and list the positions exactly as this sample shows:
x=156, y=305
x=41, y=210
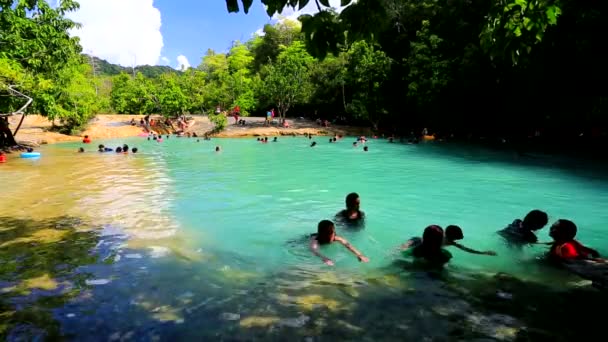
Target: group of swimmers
x=430, y=249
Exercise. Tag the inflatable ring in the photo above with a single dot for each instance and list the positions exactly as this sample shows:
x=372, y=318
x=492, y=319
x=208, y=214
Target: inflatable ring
x=428, y=137
x=30, y=155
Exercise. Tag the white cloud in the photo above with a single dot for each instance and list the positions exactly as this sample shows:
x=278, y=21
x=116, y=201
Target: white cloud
x=124, y=32
x=182, y=63
x=165, y=60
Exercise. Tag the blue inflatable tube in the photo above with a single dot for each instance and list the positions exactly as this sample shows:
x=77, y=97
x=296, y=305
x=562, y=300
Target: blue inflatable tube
x=30, y=155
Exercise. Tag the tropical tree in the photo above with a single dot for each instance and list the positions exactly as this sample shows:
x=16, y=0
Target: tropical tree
x=35, y=42
x=287, y=81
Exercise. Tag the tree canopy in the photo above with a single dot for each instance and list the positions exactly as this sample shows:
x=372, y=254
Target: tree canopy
x=503, y=67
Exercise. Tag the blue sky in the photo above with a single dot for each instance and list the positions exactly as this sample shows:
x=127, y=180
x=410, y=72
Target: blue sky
x=166, y=32
x=193, y=26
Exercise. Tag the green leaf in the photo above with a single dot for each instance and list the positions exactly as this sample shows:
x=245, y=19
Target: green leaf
x=303, y=3
x=247, y=5
x=521, y=3
x=325, y=3
x=517, y=31
x=233, y=6
x=528, y=24
x=552, y=13
x=345, y=2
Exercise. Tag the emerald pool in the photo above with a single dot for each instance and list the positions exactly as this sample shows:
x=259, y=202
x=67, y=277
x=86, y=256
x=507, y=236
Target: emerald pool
x=178, y=242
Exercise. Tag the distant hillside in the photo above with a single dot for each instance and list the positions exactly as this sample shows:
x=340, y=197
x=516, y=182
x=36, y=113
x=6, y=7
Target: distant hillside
x=104, y=67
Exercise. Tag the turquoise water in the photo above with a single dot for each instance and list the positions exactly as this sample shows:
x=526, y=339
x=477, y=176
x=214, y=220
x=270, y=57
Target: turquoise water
x=202, y=244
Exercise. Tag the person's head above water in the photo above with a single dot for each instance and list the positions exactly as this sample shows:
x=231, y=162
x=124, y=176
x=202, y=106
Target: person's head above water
x=118, y=149
x=365, y=148
x=80, y=150
x=125, y=148
x=217, y=148
x=326, y=232
x=563, y=230
x=535, y=220
x=453, y=233
x=353, y=201
x=134, y=150
x=432, y=238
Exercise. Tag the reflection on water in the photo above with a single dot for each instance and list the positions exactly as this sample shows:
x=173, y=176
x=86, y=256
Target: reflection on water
x=180, y=243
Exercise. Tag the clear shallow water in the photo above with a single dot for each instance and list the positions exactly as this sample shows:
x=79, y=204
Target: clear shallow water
x=201, y=244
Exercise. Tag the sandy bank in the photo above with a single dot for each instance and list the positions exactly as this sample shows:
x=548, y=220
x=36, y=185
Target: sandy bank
x=36, y=129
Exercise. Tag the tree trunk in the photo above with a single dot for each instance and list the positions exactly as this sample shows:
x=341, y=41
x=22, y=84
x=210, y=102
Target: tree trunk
x=6, y=136
x=19, y=125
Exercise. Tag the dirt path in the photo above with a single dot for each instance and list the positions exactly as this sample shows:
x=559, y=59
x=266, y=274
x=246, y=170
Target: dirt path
x=36, y=129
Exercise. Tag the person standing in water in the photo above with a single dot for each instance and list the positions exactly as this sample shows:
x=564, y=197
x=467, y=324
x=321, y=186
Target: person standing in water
x=428, y=250
x=352, y=214
x=326, y=234
x=522, y=232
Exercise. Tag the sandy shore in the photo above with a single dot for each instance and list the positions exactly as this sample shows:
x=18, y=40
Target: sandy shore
x=36, y=129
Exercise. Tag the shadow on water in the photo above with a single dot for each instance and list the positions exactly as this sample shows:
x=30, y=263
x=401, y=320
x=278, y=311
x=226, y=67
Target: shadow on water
x=38, y=263
x=397, y=304
x=580, y=167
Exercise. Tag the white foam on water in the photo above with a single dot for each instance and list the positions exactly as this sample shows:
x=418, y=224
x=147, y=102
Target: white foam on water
x=96, y=282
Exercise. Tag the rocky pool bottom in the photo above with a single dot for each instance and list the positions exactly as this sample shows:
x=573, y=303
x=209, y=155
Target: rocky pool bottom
x=63, y=278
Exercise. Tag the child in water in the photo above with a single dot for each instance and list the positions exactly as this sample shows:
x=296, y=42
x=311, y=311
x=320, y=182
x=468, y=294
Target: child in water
x=454, y=233
x=522, y=232
x=326, y=234
x=428, y=249
x=565, y=247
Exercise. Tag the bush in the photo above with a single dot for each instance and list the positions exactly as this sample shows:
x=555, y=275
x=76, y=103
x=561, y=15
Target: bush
x=219, y=120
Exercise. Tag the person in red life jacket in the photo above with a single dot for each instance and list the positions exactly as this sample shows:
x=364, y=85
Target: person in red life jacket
x=237, y=112
x=564, y=247
x=2, y=157
x=86, y=140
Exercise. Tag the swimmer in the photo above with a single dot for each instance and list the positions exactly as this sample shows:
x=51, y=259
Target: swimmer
x=2, y=157
x=275, y=139
x=101, y=148
x=125, y=148
x=326, y=234
x=119, y=149
x=331, y=140
x=198, y=140
x=29, y=150
x=365, y=148
x=86, y=140
x=352, y=213
x=314, y=143
x=522, y=232
x=134, y=150
x=80, y=150
x=565, y=247
x=428, y=249
x=454, y=233
x=217, y=149
x=355, y=144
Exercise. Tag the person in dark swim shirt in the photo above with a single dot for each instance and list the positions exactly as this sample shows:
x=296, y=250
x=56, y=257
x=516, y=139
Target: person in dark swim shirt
x=522, y=232
x=428, y=249
x=326, y=234
x=352, y=213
